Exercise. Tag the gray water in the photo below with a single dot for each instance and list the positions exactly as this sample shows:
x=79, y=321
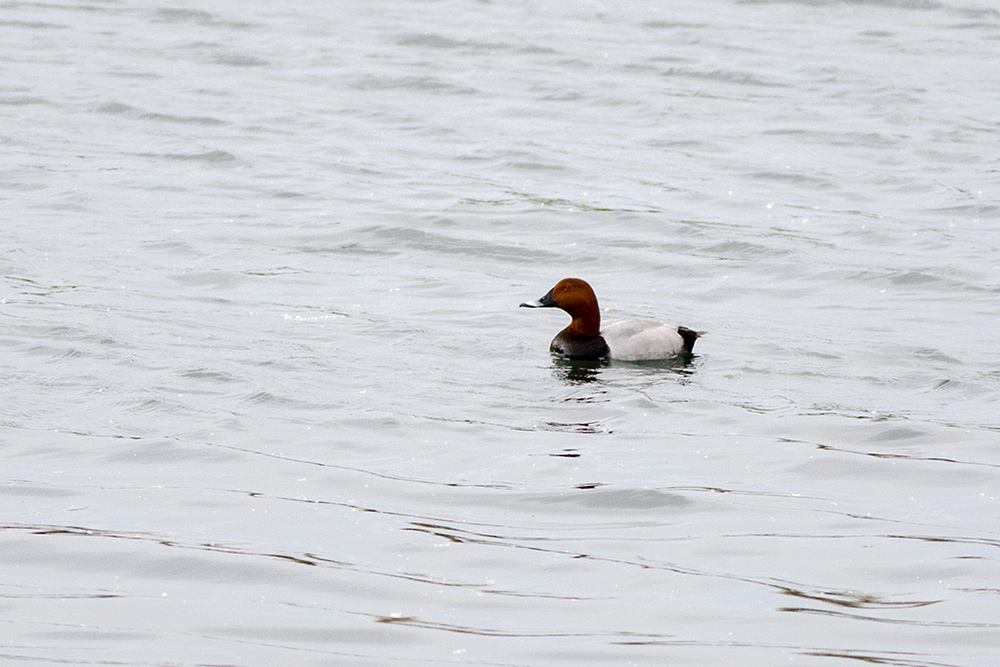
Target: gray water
x=267, y=397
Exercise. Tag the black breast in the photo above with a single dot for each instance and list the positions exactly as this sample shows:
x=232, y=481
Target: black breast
x=583, y=348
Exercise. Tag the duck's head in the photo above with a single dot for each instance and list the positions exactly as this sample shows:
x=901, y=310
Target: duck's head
x=577, y=298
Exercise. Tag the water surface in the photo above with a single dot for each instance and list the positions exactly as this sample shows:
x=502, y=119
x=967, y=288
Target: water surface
x=267, y=396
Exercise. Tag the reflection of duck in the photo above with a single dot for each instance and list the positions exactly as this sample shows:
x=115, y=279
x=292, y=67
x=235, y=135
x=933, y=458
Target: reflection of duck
x=628, y=340
x=573, y=371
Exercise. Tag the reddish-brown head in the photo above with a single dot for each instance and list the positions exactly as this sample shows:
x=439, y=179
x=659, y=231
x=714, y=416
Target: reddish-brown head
x=577, y=298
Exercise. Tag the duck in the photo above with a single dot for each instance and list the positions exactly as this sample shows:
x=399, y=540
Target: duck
x=627, y=340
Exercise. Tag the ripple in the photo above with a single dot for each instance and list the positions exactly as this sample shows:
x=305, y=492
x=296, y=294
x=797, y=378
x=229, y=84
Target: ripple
x=723, y=76
x=212, y=157
x=597, y=496
x=120, y=109
x=427, y=84
x=436, y=41
x=22, y=100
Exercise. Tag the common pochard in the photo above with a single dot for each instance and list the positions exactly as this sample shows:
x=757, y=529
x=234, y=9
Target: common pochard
x=628, y=340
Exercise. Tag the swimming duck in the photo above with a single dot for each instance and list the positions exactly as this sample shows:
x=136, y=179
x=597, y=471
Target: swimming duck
x=628, y=340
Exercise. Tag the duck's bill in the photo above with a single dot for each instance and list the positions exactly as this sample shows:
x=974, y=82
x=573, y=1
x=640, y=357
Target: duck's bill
x=545, y=302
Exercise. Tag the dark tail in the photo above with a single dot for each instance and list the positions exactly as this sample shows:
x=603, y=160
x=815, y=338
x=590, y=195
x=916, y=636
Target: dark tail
x=689, y=337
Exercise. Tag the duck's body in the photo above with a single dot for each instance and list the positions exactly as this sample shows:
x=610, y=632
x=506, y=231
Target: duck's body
x=628, y=340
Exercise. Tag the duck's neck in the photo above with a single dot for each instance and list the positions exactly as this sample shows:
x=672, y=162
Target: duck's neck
x=586, y=321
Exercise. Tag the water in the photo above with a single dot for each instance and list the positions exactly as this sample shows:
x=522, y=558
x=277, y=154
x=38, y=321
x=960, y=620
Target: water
x=267, y=396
